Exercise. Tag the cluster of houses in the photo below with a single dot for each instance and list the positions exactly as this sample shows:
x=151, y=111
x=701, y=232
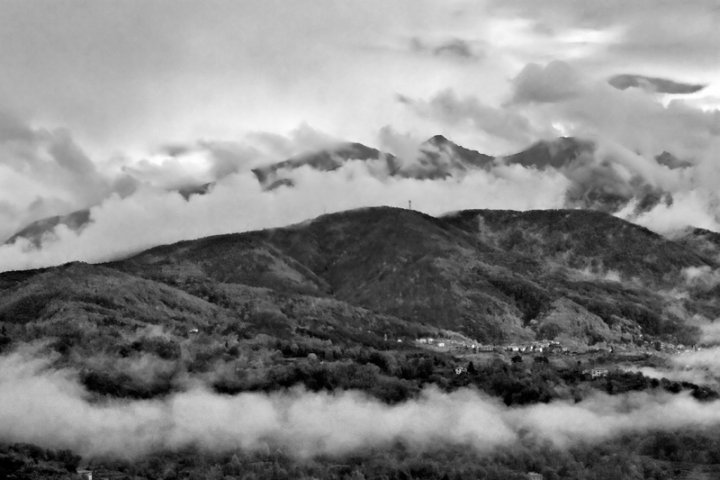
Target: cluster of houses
x=596, y=372
x=99, y=474
x=477, y=347
x=455, y=344
x=551, y=346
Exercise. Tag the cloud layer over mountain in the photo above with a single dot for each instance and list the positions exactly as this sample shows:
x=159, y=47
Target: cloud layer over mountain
x=124, y=113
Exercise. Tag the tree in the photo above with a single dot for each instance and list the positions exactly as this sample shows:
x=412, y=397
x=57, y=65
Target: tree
x=471, y=368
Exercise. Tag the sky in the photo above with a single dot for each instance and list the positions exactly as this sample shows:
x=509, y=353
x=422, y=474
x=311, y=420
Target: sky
x=115, y=105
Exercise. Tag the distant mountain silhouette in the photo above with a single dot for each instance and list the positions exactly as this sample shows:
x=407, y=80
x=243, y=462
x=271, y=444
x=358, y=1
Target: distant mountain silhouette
x=558, y=153
x=76, y=221
x=36, y=231
x=593, y=183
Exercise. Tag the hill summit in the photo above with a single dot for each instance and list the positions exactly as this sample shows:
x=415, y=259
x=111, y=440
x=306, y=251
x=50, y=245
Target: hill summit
x=497, y=276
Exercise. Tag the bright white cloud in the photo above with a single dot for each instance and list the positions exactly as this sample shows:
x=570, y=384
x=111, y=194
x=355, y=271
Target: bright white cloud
x=50, y=408
x=154, y=216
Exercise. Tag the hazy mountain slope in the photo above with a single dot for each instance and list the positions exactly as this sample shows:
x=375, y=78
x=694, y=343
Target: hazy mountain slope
x=265, y=298
x=439, y=157
x=568, y=321
x=93, y=313
x=489, y=274
x=236, y=258
x=81, y=293
x=406, y=264
x=271, y=176
x=584, y=240
x=558, y=153
x=393, y=261
x=493, y=275
x=444, y=271
x=703, y=242
x=435, y=158
x=595, y=182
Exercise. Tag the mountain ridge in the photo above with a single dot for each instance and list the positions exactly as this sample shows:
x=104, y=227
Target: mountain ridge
x=480, y=272
x=599, y=188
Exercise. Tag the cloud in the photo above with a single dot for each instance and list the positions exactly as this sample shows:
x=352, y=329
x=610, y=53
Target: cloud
x=695, y=207
x=456, y=112
x=704, y=277
x=562, y=93
x=172, y=111
x=48, y=407
x=677, y=374
x=402, y=145
x=153, y=216
x=710, y=333
x=136, y=211
x=645, y=32
x=653, y=84
x=454, y=48
x=551, y=83
x=267, y=66
x=13, y=129
x=44, y=173
x=255, y=65
x=176, y=165
x=695, y=366
x=191, y=165
x=707, y=359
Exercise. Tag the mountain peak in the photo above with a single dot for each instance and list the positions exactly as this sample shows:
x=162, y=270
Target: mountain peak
x=464, y=158
x=554, y=153
x=438, y=140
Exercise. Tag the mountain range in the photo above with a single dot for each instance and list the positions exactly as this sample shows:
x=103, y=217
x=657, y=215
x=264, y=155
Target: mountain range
x=594, y=183
x=496, y=276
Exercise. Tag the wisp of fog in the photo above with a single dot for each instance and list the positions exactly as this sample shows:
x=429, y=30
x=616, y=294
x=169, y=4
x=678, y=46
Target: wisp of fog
x=49, y=407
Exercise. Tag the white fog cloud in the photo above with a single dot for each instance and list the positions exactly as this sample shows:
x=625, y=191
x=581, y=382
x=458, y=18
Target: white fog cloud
x=151, y=216
x=50, y=408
